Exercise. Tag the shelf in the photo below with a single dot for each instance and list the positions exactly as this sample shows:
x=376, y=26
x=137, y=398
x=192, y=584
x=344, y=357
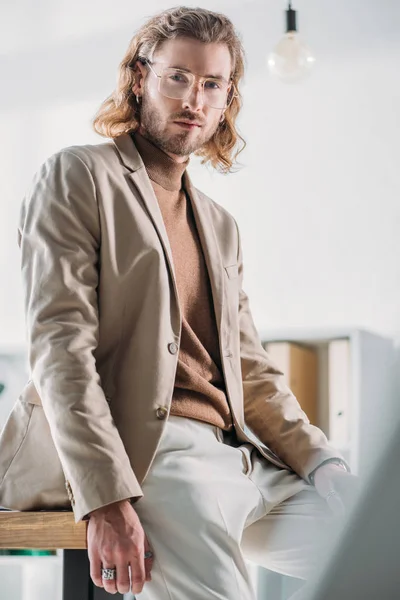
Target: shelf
x=23, y=559
x=312, y=334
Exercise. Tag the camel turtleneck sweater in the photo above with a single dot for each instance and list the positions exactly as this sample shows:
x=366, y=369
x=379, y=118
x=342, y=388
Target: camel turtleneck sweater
x=199, y=391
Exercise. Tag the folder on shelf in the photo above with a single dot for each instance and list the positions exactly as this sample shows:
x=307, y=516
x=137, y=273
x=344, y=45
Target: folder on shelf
x=299, y=364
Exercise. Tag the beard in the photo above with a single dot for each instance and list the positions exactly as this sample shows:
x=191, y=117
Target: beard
x=179, y=144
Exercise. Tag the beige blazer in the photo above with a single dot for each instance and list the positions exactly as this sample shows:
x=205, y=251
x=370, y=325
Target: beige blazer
x=103, y=325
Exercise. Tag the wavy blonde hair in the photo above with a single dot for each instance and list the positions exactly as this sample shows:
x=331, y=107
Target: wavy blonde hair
x=119, y=113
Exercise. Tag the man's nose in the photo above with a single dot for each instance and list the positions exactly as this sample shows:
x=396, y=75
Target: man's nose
x=195, y=100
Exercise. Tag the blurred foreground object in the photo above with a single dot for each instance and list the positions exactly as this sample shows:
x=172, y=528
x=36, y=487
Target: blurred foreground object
x=364, y=559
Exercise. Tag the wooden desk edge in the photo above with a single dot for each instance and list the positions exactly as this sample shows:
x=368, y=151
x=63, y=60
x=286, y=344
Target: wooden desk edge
x=47, y=530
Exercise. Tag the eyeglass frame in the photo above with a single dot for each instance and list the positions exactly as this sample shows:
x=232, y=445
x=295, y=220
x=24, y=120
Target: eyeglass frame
x=147, y=62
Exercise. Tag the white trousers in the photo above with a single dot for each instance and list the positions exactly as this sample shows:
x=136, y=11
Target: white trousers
x=210, y=503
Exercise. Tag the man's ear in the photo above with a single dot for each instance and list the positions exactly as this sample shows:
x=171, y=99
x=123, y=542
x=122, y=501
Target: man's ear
x=140, y=73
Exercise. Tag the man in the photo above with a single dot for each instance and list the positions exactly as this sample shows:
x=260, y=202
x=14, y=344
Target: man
x=142, y=345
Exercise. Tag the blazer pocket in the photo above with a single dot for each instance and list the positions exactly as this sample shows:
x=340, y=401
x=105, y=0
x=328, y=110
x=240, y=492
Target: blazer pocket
x=232, y=271
x=30, y=395
x=31, y=475
x=12, y=437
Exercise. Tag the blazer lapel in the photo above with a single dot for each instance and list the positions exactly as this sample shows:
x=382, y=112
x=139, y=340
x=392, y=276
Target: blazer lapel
x=132, y=159
x=211, y=253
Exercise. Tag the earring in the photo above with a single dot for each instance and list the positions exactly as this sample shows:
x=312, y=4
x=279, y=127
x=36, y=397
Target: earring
x=137, y=98
x=222, y=119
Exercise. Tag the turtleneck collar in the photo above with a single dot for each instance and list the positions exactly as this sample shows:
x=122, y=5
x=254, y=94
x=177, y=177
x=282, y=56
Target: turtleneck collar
x=160, y=167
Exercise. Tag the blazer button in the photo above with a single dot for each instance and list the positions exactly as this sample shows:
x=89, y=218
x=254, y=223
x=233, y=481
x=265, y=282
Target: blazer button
x=173, y=348
x=161, y=412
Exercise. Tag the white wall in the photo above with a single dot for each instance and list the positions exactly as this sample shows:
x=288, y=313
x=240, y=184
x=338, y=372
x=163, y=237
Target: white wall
x=318, y=197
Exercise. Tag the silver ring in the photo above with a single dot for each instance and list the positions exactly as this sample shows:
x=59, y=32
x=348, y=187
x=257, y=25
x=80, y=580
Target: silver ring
x=108, y=573
x=148, y=554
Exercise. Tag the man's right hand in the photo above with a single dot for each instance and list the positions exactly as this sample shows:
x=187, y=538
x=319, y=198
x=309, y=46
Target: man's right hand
x=116, y=539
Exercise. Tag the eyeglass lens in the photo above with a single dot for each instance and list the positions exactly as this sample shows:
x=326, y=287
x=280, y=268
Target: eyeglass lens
x=177, y=84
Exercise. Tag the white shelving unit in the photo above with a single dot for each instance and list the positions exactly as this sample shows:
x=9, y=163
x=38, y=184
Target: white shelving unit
x=374, y=366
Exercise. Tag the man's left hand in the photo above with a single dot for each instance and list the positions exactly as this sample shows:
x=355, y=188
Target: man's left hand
x=336, y=486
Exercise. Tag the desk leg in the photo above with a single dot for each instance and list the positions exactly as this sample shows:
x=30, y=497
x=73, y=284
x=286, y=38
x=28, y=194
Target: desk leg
x=77, y=584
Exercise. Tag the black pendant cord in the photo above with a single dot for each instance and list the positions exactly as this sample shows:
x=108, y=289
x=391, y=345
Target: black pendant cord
x=290, y=19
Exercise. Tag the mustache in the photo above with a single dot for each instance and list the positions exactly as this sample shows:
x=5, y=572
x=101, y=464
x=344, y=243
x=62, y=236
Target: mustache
x=188, y=117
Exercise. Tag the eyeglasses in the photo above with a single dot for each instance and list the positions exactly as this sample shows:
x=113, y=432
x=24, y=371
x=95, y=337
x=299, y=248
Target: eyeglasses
x=178, y=84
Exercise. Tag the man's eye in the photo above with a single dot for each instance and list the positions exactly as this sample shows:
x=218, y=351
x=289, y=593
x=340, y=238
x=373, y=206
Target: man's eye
x=178, y=77
x=212, y=85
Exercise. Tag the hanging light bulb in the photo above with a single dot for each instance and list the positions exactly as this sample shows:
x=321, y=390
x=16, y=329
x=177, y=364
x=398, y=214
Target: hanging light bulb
x=291, y=60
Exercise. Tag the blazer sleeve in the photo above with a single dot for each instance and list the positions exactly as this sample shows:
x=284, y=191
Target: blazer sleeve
x=271, y=410
x=59, y=236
